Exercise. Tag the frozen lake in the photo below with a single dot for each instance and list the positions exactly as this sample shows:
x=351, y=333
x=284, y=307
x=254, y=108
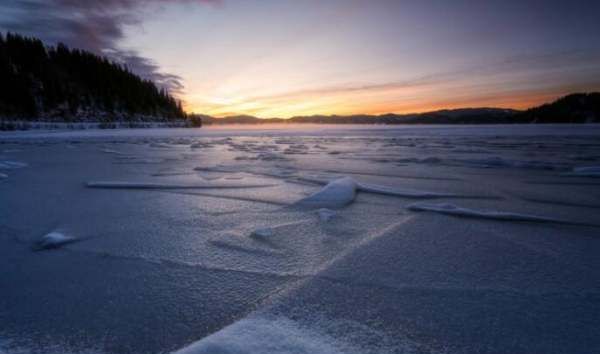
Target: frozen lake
x=302, y=239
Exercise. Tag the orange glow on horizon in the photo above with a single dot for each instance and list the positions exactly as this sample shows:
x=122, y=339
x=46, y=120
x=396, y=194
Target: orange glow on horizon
x=337, y=105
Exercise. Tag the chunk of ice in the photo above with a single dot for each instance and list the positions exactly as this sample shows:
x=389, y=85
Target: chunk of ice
x=400, y=192
x=263, y=232
x=336, y=194
x=136, y=185
x=451, y=209
x=53, y=240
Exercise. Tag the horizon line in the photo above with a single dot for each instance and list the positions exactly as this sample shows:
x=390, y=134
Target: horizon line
x=533, y=104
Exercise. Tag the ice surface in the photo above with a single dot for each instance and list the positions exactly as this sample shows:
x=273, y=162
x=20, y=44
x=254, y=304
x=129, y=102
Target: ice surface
x=160, y=146
x=237, y=246
x=451, y=209
x=336, y=194
x=174, y=262
x=54, y=239
x=496, y=161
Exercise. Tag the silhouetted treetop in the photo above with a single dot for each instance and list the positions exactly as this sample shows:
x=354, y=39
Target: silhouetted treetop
x=58, y=83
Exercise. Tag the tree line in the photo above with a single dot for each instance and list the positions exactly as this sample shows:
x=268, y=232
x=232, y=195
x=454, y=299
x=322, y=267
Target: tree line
x=62, y=84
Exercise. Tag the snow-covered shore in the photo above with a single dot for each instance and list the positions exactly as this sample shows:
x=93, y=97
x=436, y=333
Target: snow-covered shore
x=21, y=125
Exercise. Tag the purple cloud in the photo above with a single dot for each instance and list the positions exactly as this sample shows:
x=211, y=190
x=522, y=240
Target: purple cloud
x=93, y=25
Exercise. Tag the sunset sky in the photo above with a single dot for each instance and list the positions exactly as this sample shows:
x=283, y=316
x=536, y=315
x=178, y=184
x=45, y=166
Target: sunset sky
x=280, y=58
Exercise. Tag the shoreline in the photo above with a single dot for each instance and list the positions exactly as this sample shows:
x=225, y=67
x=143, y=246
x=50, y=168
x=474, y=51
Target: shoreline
x=23, y=125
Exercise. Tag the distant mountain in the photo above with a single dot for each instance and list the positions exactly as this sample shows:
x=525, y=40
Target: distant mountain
x=455, y=116
x=574, y=108
x=241, y=119
x=61, y=84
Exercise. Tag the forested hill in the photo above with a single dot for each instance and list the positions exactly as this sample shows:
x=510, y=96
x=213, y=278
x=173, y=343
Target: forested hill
x=574, y=108
x=38, y=82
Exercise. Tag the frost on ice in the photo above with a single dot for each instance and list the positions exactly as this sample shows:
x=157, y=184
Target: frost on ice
x=265, y=335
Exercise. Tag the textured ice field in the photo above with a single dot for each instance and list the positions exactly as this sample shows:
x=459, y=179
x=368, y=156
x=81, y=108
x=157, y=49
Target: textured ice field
x=312, y=239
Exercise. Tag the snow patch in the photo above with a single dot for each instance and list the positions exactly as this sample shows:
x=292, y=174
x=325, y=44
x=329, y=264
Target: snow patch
x=53, y=240
x=326, y=214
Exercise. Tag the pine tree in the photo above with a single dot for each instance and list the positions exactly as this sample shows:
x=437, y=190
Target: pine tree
x=58, y=82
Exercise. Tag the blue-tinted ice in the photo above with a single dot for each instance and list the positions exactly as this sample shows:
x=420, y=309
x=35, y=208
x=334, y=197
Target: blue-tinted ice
x=346, y=239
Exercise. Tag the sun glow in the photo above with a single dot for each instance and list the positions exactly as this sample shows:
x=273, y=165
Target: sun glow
x=344, y=101
x=302, y=59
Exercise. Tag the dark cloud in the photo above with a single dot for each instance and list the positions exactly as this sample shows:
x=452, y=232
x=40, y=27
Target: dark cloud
x=94, y=25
